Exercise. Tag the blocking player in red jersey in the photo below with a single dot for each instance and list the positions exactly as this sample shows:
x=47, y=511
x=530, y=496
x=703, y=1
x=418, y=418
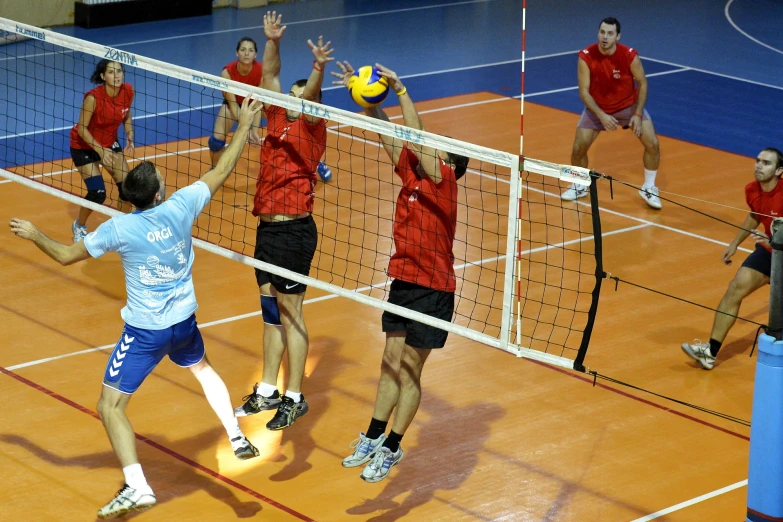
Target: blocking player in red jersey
x=765, y=199
x=287, y=236
x=245, y=69
x=422, y=267
x=94, y=140
x=613, y=87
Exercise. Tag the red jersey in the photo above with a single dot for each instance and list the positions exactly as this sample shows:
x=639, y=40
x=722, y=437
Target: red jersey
x=768, y=203
x=289, y=159
x=109, y=114
x=252, y=78
x=425, y=221
x=611, y=82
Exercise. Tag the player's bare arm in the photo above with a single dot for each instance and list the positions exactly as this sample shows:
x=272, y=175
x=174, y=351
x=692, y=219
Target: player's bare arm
x=273, y=30
x=322, y=54
x=637, y=70
x=63, y=254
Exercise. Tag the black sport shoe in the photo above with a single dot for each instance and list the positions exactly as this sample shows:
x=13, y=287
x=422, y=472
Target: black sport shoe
x=243, y=449
x=256, y=402
x=287, y=413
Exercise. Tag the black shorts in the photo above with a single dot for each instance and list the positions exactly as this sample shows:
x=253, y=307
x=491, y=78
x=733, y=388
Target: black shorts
x=82, y=157
x=435, y=303
x=759, y=260
x=287, y=244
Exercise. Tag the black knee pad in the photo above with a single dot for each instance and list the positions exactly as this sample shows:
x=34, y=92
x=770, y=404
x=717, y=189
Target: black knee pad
x=96, y=196
x=120, y=193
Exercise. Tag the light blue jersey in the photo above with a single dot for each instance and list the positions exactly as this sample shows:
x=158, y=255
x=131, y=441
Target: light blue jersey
x=156, y=248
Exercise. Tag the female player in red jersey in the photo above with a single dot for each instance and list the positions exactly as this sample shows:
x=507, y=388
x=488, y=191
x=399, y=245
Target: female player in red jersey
x=245, y=69
x=613, y=87
x=94, y=137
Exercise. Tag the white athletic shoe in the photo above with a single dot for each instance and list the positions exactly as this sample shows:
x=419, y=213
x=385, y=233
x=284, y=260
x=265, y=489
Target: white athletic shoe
x=700, y=352
x=574, y=192
x=365, y=450
x=79, y=232
x=650, y=195
x=381, y=464
x=127, y=500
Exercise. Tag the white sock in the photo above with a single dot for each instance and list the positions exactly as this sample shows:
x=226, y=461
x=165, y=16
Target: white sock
x=649, y=178
x=266, y=389
x=134, y=476
x=297, y=397
x=232, y=429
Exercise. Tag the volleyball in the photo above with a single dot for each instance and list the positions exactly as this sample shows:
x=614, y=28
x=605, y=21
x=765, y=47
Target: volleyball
x=367, y=87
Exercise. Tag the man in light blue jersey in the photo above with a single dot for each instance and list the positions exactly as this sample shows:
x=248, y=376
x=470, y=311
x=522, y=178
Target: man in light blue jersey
x=155, y=245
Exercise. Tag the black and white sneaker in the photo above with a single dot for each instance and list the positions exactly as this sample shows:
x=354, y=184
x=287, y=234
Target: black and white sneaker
x=126, y=500
x=243, y=448
x=255, y=403
x=287, y=413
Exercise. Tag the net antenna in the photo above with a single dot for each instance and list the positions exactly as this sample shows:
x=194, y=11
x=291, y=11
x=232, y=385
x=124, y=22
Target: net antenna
x=525, y=261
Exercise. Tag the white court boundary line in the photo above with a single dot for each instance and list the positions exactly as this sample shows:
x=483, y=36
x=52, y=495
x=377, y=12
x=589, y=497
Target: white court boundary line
x=332, y=296
x=688, y=503
x=743, y=33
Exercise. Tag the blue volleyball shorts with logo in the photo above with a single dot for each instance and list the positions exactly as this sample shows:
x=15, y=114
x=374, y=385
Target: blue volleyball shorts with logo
x=139, y=351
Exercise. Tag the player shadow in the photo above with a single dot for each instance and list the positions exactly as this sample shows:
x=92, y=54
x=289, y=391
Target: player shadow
x=168, y=481
x=441, y=460
x=737, y=347
x=317, y=388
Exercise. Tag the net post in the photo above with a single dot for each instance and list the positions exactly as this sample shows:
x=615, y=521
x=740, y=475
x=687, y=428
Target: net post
x=514, y=202
x=765, y=474
x=599, y=274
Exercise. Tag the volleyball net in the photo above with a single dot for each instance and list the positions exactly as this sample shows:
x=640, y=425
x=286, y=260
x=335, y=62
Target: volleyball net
x=528, y=265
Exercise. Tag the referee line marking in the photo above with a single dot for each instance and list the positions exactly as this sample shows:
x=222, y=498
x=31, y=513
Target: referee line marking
x=330, y=296
x=687, y=503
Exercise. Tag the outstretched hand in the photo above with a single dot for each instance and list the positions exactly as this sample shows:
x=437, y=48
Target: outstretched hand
x=272, y=28
x=22, y=228
x=391, y=77
x=247, y=112
x=346, y=71
x=321, y=52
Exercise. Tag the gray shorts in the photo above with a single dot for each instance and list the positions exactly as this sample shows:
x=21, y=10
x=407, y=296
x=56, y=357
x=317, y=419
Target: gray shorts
x=590, y=121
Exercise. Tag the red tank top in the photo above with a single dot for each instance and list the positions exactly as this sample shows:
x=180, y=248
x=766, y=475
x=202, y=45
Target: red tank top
x=109, y=114
x=289, y=159
x=425, y=222
x=611, y=82
x=765, y=206
x=252, y=78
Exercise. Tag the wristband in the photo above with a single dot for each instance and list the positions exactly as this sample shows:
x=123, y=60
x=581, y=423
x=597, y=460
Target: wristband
x=402, y=92
x=639, y=115
x=315, y=66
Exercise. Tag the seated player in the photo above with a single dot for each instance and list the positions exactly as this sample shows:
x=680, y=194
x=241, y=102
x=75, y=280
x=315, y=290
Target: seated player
x=613, y=87
x=93, y=139
x=155, y=246
x=424, y=280
x=765, y=199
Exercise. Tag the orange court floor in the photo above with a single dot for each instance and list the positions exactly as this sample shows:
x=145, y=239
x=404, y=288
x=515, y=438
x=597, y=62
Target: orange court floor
x=496, y=438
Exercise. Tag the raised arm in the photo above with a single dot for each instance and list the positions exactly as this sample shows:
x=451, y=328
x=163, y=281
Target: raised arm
x=270, y=78
x=637, y=70
x=130, y=149
x=218, y=175
x=583, y=80
x=427, y=156
x=392, y=146
x=63, y=254
x=312, y=88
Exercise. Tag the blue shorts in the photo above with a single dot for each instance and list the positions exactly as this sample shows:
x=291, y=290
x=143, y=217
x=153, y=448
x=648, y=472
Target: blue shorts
x=759, y=260
x=139, y=351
